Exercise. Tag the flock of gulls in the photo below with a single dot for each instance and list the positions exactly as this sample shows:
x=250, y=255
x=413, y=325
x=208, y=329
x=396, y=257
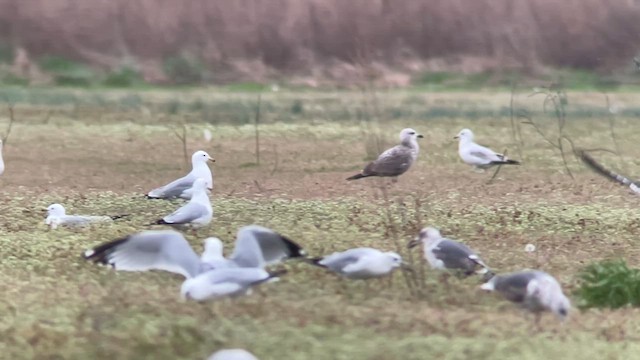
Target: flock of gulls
x=211, y=275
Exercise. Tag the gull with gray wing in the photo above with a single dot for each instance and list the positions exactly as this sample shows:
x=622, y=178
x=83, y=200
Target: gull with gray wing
x=361, y=263
x=209, y=276
x=534, y=290
x=478, y=156
x=446, y=254
x=395, y=161
x=181, y=188
x=196, y=213
x=57, y=216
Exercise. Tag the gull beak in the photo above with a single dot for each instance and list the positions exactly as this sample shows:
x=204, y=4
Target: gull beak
x=419, y=136
x=456, y=137
x=406, y=266
x=413, y=243
x=211, y=159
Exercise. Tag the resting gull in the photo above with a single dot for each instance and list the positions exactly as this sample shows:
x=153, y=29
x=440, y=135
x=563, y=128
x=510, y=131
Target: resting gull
x=232, y=354
x=196, y=213
x=535, y=290
x=361, y=263
x=395, y=161
x=181, y=187
x=446, y=254
x=56, y=216
x=229, y=282
x=478, y=156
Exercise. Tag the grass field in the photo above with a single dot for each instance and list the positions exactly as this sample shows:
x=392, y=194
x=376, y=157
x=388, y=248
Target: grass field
x=98, y=153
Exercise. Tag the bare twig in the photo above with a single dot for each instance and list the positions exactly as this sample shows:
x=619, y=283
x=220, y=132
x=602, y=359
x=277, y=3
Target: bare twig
x=11, y=120
x=257, y=129
x=612, y=125
x=497, y=169
x=515, y=126
x=275, y=165
x=183, y=139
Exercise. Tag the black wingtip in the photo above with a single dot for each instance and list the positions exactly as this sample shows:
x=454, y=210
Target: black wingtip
x=506, y=162
x=294, y=250
x=315, y=261
x=100, y=254
x=117, y=217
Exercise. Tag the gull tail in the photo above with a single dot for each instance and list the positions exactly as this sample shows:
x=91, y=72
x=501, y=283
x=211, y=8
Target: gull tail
x=159, y=222
x=315, y=261
x=506, y=162
x=357, y=176
x=598, y=168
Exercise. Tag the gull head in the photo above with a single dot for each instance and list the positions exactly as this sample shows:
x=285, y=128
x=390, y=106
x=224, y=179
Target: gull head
x=395, y=259
x=200, y=157
x=464, y=135
x=409, y=134
x=55, y=210
x=426, y=234
x=213, y=248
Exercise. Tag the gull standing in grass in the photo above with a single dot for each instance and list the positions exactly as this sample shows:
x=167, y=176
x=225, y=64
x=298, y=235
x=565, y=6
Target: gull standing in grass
x=361, y=263
x=395, y=161
x=206, y=277
x=181, y=188
x=478, y=156
x=446, y=254
x=56, y=216
x=534, y=290
x=232, y=354
x=196, y=213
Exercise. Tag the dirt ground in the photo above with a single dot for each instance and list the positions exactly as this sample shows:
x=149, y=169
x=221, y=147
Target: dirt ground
x=59, y=304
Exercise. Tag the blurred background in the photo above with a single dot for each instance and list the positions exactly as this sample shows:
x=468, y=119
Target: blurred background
x=319, y=43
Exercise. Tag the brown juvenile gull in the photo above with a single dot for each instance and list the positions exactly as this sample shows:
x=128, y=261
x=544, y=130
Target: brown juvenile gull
x=534, y=290
x=446, y=254
x=395, y=161
x=478, y=156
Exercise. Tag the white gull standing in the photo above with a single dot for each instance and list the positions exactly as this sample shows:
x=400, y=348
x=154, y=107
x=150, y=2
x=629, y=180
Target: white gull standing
x=395, y=161
x=446, y=254
x=478, y=156
x=180, y=188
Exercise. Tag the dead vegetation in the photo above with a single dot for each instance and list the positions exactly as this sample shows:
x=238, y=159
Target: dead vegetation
x=322, y=39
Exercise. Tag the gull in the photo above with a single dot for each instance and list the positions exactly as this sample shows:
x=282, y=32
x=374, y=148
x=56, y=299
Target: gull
x=56, y=216
x=196, y=213
x=446, y=254
x=395, y=161
x=181, y=187
x=478, y=156
x=361, y=263
x=168, y=250
x=232, y=354
x=534, y=290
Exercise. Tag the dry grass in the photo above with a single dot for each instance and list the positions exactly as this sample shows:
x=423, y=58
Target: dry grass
x=57, y=306
x=254, y=40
